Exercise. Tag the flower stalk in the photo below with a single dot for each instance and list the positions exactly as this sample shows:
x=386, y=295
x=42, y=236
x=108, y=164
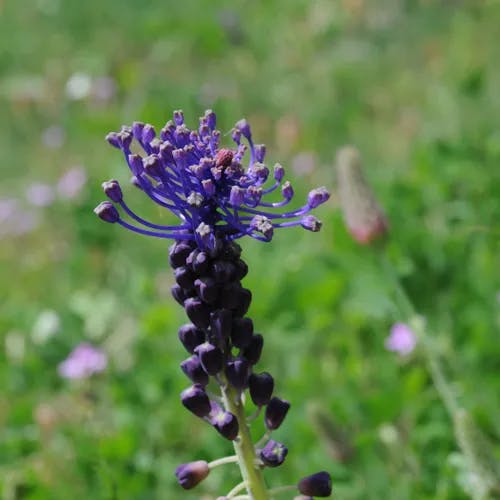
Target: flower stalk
x=216, y=200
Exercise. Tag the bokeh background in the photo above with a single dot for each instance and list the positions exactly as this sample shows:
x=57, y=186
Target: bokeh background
x=414, y=84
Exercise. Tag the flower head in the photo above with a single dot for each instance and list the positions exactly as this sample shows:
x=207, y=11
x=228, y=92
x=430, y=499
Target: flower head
x=207, y=187
x=83, y=361
x=402, y=339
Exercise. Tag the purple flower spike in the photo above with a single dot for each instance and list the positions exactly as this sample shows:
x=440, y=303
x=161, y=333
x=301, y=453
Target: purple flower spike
x=276, y=411
x=191, y=474
x=195, y=399
x=273, y=454
x=208, y=188
x=261, y=388
x=316, y=485
x=107, y=212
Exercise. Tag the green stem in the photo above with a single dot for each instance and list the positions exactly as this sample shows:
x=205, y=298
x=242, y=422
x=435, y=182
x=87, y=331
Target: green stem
x=407, y=310
x=243, y=446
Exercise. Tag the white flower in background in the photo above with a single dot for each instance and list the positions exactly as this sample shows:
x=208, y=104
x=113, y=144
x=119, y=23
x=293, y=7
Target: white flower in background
x=78, y=86
x=46, y=325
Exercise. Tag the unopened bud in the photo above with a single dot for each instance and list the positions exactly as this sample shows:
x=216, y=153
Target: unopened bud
x=363, y=216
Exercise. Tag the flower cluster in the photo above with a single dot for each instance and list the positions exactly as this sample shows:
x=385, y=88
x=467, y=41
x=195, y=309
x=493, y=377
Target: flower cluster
x=217, y=201
x=205, y=186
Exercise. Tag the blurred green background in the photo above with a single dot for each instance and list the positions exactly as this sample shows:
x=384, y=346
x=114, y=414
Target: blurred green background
x=414, y=84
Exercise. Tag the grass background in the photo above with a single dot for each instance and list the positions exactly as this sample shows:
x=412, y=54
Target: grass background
x=414, y=84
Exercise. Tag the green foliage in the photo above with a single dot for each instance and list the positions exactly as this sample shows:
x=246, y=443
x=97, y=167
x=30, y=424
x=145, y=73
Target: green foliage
x=413, y=84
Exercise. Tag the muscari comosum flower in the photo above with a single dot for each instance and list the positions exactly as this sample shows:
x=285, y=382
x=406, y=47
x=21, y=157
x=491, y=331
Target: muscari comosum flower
x=217, y=200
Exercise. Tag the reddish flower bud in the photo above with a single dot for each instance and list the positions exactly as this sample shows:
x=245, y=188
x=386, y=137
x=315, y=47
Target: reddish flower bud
x=363, y=216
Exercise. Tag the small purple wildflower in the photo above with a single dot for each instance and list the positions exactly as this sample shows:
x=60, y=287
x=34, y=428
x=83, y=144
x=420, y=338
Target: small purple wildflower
x=401, y=339
x=207, y=187
x=40, y=194
x=82, y=362
x=71, y=183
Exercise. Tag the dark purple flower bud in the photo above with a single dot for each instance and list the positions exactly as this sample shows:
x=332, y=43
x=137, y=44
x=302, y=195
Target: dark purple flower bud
x=244, y=300
x=201, y=263
x=211, y=358
x=195, y=399
x=179, y=294
x=220, y=324
x=253, y=351
x=244, y=127
x=276, y=411
x=135, y=163
x=316, y=485
x=152, y=165
x=237, y=373
x=137, y=128
x=178, y=117
x=197, y=312
x=207, y=289
x=317, y=196
x=287, y=190
x=273, y=454
x=184, y=277
x=148, y=133
x=279, y=172
x=260, y=152
x=222, y=271
x=112, y=190
x=178, y=253
x=237, y=196
x=107, y=212
x=261, y=388
x=191, y=337
x=114, y=140
x=241, y=269
x=230, y=295
x=254, y=195
x=194, y=371
x=191, y=474
x=225, y=423
x=311, y=223
x=241, y=332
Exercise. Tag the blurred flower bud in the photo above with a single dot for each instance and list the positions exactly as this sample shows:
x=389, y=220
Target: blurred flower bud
x=316, y=485
x=191, y=474
x=363, y=216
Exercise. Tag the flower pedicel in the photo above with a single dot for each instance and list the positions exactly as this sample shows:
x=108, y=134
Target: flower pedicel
x=217, y=200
